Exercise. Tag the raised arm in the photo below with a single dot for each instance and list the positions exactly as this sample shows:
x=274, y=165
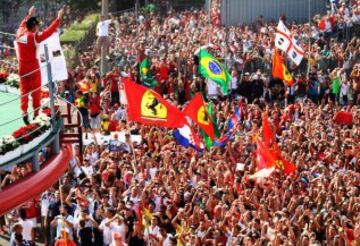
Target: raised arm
x=41, y=36
x=22, y=26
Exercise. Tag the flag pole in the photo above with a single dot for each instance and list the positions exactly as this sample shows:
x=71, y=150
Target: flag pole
x=209, y=21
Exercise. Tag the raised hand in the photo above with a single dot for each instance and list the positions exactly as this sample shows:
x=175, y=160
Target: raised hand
x=32, y=10
x=61, y=13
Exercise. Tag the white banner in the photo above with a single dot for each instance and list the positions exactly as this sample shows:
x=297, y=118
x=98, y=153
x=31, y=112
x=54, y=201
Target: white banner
x=57, y=58
x=285, y=41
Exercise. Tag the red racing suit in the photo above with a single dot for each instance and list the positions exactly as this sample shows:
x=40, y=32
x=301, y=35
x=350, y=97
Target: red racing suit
x=29, y=72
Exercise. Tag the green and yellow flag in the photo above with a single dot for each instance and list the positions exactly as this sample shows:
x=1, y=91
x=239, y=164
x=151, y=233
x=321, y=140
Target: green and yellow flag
x=211, y=68
x=146, y=74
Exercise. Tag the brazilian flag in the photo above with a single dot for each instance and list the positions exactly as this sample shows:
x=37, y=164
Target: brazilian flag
x=211, y=68
x=146, y=74
x=208, y=142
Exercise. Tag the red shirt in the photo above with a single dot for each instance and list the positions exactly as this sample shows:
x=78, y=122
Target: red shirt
x=113, y=79
x=113, y=125
x=31, y=210
x=164, y=72
x=27, y=43
x=95, y=107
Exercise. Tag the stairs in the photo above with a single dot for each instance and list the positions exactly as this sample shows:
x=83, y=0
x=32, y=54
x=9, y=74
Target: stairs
x=72, y=131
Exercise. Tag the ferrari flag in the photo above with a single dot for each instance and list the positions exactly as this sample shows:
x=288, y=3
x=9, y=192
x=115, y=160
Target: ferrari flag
x=279, y=69
x=197, y=111
x=147, y=107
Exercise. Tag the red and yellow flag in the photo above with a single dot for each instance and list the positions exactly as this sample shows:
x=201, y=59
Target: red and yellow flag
x=197, y=111
x=279, y=69
x=83, y=86
x=268, y=153
x=148, y=107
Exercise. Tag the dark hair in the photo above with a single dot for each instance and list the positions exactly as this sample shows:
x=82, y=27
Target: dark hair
x=32, y=22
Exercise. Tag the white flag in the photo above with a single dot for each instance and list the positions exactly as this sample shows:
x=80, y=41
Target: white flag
x=56, y=57
x=285, y=41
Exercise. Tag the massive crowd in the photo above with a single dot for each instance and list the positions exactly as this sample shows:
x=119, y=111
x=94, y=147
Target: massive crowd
x=155, y=192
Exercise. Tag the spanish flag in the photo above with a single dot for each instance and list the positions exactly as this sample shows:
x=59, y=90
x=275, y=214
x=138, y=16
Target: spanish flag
x=211, y=68
x=197, y=111
x=279, y=69
x=147, y=107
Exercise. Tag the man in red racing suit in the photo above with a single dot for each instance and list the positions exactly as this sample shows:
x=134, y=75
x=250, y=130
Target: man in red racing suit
x=27, y=40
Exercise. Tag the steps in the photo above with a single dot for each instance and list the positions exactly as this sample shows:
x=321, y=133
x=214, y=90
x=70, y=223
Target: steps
x=72, y=129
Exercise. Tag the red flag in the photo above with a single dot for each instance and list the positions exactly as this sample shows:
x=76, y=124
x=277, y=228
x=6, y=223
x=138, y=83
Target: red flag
x=279, y=69
x=147, y=107
x=343, y=117
x=196, y=110
x=289, y=167
x=281, y=162
x=268, y=135
x=264, y=157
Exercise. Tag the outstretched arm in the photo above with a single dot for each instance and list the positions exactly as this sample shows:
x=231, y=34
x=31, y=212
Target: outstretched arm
x=41, y=36
x=22, y=26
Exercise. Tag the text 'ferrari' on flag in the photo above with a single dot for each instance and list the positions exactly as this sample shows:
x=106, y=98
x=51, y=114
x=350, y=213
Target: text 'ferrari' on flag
x=147, y=107
x=211, y=68
x=279, y=69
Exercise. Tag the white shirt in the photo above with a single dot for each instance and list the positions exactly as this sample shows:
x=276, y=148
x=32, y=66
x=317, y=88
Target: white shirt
x=75, y=168
x=60, y=224
x=120, y=229
x=153, y=171
x=167, y=240
x=27, y=225
x=45, y=202
x=88, y=170
x=212, y=88
x=344, y=89
x=103, y=28
x=234, y=83
x=107, y=236
x=151, y=232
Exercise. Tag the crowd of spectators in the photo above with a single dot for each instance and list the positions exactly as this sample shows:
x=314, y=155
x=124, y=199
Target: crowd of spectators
x=155, y=192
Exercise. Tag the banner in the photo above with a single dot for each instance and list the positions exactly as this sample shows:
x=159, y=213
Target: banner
x=57, y=58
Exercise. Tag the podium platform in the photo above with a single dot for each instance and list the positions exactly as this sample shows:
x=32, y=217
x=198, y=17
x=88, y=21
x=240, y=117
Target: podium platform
x=10, y=112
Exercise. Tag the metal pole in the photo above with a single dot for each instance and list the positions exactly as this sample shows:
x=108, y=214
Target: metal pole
x=209, y=21
x=51, y=87
x=137, y=16
x=35, y=161
x=103, y=62
x=56, y=144
x=308, y=70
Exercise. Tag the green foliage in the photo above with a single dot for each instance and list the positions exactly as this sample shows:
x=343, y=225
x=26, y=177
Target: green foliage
x=77, y=31
x=75, y=34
